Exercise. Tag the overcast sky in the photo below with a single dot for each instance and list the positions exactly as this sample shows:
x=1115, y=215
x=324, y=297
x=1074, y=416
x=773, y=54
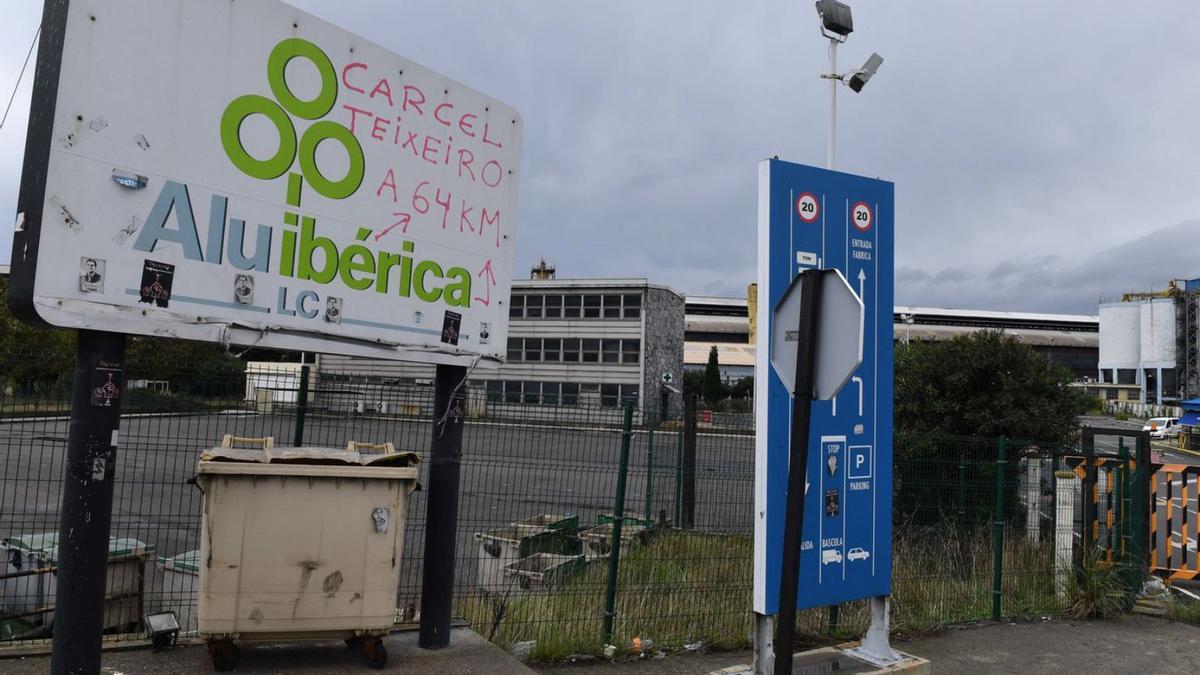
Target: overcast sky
x=1044, y=153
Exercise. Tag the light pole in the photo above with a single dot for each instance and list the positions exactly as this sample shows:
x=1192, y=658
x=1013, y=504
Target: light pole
x=836, y=25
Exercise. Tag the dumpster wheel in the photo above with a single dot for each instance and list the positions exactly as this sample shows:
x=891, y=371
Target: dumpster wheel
x=374, y=652
x=224, y=655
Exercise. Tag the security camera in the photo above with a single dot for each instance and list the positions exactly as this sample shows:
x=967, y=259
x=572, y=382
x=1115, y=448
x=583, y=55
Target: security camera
x=860, y=77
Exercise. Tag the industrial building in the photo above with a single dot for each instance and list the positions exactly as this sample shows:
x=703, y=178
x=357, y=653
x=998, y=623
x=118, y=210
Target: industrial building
x=1070, y=340
x=589, y=342
x=1149, y=339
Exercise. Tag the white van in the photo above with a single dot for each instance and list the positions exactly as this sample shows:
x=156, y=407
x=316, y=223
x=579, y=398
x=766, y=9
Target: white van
x=1162, y=427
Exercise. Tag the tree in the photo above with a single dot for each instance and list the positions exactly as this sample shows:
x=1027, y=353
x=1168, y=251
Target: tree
x=744, y=388
x=714, y=389
x=985, y=384
x=40, y=361
x=693, y=383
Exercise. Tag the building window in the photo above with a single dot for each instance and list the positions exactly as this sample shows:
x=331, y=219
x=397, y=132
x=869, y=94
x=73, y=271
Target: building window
x=612, y=306
x=610, y=394
x=611, y=351
x=495, y=390
x=514, y=350
x=551, y=349
x=571, y=305
x=550, y=393
x=591, y=350
x=533, y=349
x=517, y=309
x=570, y=350
x=570, y=393
x=629, y=393
x=591, y=306
x=630, y=351
x=533, y=306
x=633, y=306
x=512, y=392
x=531, y=391
x=553, y=307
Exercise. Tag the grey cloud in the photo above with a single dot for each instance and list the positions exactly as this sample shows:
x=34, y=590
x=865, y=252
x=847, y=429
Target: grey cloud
x=1023, y=150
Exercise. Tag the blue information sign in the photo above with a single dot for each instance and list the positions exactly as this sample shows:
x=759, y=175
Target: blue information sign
x=811, y=218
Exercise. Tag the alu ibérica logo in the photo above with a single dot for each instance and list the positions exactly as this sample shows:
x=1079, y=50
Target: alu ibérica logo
x=358, y=267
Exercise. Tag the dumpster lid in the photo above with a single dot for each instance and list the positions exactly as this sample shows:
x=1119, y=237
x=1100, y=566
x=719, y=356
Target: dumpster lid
x=188, y=561
x=309, y=455
x=47, y=543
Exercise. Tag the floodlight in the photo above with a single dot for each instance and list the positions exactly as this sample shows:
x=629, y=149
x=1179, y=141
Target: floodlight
x=835, y=18
x=162, y=627
x=859, y=78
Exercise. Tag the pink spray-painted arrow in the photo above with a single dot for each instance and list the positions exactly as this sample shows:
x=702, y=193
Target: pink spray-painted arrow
x=404, y=221
x=491, y=281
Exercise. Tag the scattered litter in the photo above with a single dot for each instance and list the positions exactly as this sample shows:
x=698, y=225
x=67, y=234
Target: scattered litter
x=580, y=658
x=693, y=646
x=141, y=142
x=1154, y=588
x=1183, y=591
x=522, y=650
x=609, y=651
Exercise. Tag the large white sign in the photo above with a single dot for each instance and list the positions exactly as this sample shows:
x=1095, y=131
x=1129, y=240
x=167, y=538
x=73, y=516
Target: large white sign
x=242, y=172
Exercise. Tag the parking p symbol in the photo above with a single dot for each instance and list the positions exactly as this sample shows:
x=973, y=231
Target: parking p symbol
x=860, y=462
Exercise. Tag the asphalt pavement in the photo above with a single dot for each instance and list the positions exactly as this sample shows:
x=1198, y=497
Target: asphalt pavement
x=468, y=654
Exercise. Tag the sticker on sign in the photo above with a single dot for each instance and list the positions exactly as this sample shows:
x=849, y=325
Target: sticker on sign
x=250, y=174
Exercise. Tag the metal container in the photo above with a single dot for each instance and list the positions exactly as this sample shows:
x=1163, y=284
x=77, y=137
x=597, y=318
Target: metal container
x=503, y=546
x=597, y=541
x=552, y=521
x=180, y=580
x=29, y=580
x=300, y=543
x=543, y=570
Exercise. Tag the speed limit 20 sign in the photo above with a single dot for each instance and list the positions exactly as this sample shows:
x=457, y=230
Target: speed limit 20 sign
x=861, y=216
x=807, y=207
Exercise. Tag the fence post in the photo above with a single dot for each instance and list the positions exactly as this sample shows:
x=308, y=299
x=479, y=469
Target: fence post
x=998, y=562
x=962, y=488
x=441, y=506
x=301, y=408
x=679, y=480
x=614, y=557
x=688, y=517
x=1064, y=530
x=649, y=475
x=1124, y=535
x=1140, y=512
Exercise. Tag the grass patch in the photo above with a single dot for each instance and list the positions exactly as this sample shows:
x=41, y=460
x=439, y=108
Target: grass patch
x=683, y=588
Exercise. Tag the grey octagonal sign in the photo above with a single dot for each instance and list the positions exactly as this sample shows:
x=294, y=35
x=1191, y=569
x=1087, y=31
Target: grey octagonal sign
x=839, y=335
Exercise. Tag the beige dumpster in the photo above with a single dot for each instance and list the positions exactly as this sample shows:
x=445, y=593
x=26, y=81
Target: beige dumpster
x=300, y=543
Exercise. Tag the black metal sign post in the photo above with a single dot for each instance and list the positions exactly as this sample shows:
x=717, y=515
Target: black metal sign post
x=87, y=502
x=793, y=524
x=441, y=508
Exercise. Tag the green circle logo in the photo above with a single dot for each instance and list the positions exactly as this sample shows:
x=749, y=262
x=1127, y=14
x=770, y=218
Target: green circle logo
x=277, y=112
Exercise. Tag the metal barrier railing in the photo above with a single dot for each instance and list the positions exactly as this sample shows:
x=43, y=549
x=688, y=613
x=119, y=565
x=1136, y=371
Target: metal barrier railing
x=1174, y=521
